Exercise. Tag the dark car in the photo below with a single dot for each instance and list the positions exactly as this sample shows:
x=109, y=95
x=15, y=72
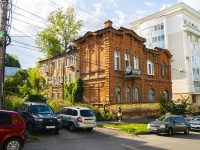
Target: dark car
x=195, y=123
x=12, y=130
x=169, y=125
x=39, y=117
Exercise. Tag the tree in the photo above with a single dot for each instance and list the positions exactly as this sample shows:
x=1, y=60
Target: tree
x=179, y=107
x=62, y=31
x=12, y=61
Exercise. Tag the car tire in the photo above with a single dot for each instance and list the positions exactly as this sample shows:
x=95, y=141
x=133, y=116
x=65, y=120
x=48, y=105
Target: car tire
x=31, y=129
x=169, y=132
x=13, y=143
x=89, y=129
x=71, y=127
x=187, y=131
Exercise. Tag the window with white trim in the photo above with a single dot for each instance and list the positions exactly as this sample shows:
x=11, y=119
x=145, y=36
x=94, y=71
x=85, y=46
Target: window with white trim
x=150, y=67
x=164, y=69
x=128, y=95
x=55, y=65
x=151, y=95
x=136, y=62
x=165, y=93
x=54, y=81
x=58, y=80
x=70, y=77
x=117, y=60
x=127, y=60
x=118, y=94
x=136, y=92
x=59, y=63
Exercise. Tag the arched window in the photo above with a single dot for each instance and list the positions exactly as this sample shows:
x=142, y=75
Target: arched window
x=117, y=60
x=150, y=67
x=166, y=95
x=127, y=60
x=136, y=62
x=118, y=94
x=164, y=69
x=151, y=95
x=136, y=92
x=128, y=95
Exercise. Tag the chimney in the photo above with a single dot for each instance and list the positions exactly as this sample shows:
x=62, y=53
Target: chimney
x=107, y=24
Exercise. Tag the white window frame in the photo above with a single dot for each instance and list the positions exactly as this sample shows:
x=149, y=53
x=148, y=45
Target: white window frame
x=136, y=92
x=136, y=62
x=150, y=67
x=70, y=78
x=151, y=95
x=117, y=60
x=127, y=60
x=118, y=94
x=128, y=95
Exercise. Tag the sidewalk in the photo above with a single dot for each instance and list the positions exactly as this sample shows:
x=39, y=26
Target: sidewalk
x=139, y=120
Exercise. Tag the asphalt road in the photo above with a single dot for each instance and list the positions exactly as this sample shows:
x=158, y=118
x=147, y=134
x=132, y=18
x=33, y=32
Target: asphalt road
x=109, y=139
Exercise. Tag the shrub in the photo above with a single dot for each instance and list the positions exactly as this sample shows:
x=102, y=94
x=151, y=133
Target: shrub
x=56, y=105
x=13, y=103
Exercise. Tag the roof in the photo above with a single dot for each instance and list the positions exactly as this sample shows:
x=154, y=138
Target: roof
x=11, y=71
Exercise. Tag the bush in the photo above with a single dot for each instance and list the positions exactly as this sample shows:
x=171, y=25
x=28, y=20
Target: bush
x=56, y=105
x=13, y=103
x=35, y=98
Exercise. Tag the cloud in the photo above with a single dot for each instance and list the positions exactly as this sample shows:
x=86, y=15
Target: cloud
x=150, y=4
x=164, y=6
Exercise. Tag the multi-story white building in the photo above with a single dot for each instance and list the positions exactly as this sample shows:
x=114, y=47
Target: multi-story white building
x=177, y=29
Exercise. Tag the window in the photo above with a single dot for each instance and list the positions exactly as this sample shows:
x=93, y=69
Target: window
x=69, y=112
x=128, y=97
x=118, y=94
x=193, y=98
x=58, y=95
x=55, y=65
x=54, y=81
x=195, y=71
x=65, y=78
x=165, y=94
x=70, y=60
x=58, y=79
x=59, y=63
x=151, y=95
x=136, y=63
x=150, y=67
x=117, y=60
x=66, y=62
x=54, y=96
x=127, y=60
x=136, y=92
x=70, y=78
x=164, y=69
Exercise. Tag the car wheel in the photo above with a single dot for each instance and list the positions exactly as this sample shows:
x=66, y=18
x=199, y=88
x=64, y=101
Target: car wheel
x=31, y=129
x=89, y=129
x=13, y=143
x=169, y=132
x=187, y=131
x=71, y=127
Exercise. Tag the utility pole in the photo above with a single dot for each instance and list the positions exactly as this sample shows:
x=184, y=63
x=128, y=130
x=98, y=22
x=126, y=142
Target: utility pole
x=3, y=7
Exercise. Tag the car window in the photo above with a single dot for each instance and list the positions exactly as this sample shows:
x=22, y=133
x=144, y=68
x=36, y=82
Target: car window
x=181, y=119
x=197, y=119
x=23, y=107
x=62, y=111
x=74, y=113
x=168, y=119
x=69, y=111
x=5, y=119
x=86, y=113
x=37, y=109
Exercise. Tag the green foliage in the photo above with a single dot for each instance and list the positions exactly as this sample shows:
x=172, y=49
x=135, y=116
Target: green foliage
x=12, y=61
x=63, y=30
x=73, y=92
x=13, y=103
x=56, y=105
x=179, y=107
x=35, y=98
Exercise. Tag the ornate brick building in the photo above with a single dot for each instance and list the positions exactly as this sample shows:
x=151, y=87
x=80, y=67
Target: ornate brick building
x=118, y=70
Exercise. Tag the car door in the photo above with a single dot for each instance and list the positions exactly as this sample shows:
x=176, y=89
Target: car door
x=183, y=125
x=61, y=116
x=23, y=111
x=177, y=125
x=5, y=126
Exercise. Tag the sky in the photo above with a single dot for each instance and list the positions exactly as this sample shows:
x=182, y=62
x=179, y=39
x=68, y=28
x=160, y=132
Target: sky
x=30, y=17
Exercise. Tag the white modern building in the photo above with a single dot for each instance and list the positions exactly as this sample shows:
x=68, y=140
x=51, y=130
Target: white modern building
x=177, y=29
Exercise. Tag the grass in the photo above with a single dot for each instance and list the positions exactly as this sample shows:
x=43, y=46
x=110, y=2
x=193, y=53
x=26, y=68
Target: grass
x=32, y=137
x=132, y=128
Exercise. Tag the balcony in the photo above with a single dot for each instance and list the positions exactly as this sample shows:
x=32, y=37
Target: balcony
x=197, y=89
x=134, y=73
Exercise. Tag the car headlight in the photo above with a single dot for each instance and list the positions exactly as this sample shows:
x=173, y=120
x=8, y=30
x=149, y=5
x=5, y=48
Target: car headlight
x=38, y=119
x=162, y=126
x=148, y=126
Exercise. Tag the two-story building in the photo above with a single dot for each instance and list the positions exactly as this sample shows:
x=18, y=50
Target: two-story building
x=117, y=70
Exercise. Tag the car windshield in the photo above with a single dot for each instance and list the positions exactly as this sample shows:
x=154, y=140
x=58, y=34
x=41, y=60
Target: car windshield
x=86, y=113
x=38, y=109
x=166, y=119
x=197, y=119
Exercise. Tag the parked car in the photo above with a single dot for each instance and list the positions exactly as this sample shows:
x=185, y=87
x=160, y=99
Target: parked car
x=39, y=117
x=169, y=125
x=12, y=130
x=77, y=117
x=195, y=123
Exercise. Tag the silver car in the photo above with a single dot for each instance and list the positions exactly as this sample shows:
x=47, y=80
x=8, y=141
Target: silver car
x=195, y=123
x=77, y=117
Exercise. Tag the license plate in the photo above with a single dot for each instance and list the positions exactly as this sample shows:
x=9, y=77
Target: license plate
x=154, y=129
x=50, y=127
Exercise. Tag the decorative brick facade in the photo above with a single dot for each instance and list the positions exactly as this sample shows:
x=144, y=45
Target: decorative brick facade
x=101, y=77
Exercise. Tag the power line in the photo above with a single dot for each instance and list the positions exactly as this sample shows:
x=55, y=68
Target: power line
x=22, y=33
x=23, y=47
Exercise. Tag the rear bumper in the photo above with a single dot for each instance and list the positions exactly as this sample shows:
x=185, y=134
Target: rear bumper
x=84, y=125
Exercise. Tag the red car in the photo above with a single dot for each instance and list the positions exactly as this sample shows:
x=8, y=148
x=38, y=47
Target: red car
x=12, y=130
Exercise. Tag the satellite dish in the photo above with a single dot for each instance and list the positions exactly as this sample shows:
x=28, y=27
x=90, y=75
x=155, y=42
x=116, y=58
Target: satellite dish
x=129, y=69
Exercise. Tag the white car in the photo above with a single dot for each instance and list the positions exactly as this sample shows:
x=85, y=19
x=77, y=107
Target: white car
x=77, y=117
x=195, y=123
